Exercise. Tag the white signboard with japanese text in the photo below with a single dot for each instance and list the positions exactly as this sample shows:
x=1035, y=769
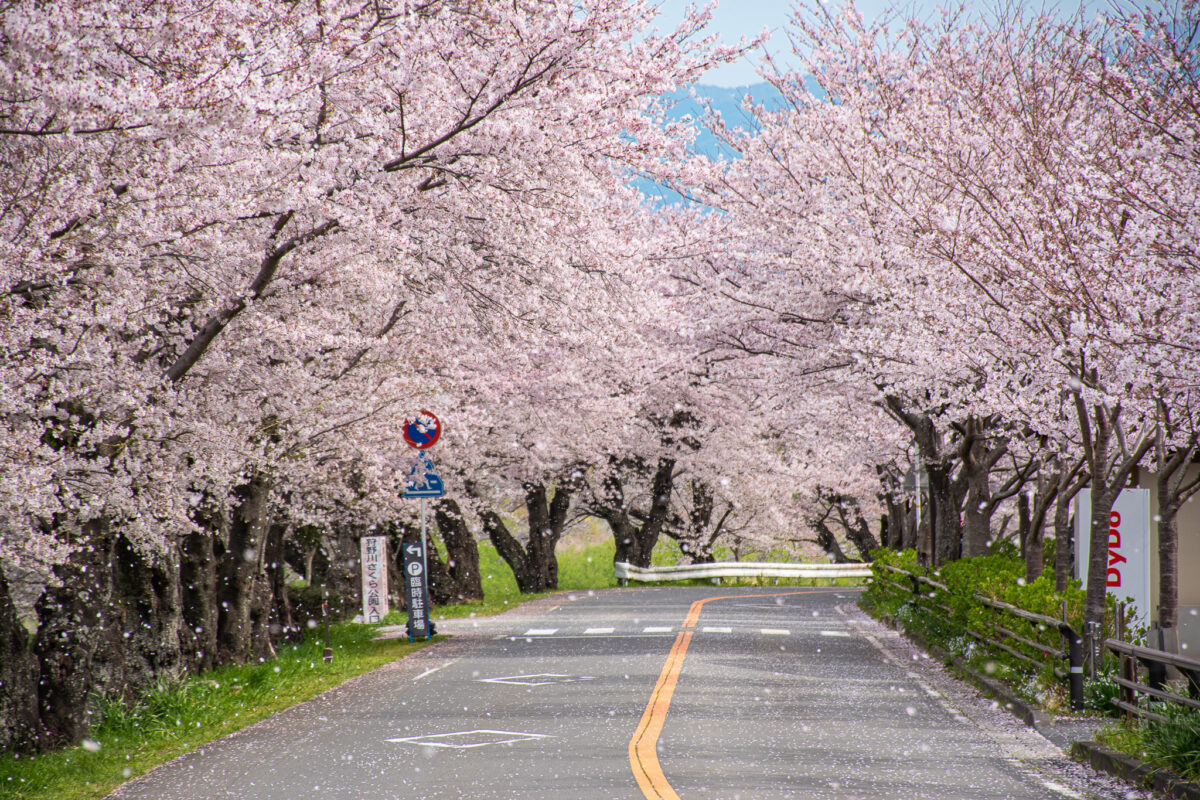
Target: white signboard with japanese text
x=374, y=578
x=1128, y=573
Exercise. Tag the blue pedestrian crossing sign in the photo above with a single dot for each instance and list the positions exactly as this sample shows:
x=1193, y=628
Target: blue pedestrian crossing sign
x=423, y=480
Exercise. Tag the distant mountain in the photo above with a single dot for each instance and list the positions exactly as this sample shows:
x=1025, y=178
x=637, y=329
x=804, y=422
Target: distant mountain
x=726, y=101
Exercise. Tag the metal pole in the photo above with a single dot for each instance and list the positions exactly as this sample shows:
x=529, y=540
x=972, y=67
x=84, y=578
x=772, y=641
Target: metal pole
x=425, y=573
x=327, y=656
x=1074, y=665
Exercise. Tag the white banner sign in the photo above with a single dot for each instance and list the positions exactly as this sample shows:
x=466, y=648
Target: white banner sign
x=374, y=578
x=1128, y=573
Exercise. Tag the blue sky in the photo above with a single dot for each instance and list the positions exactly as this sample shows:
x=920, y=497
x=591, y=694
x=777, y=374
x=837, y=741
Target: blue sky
x=736, y=18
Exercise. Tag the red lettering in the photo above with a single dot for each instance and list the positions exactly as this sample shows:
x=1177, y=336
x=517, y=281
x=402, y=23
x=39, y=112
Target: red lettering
x=1113, y=576
x=1114, y=519
x=1115, y=558
x=1114, y=537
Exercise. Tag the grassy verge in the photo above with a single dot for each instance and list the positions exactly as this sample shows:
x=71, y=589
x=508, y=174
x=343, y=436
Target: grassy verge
x=182, y=715
x=1173, y=745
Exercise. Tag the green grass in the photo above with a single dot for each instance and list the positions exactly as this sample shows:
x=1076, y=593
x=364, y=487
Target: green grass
x=180, y=716
x=588, y=567
x=1174, y=745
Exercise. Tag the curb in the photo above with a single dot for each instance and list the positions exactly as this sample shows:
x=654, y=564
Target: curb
x=1135, y=771
x=1096, y=755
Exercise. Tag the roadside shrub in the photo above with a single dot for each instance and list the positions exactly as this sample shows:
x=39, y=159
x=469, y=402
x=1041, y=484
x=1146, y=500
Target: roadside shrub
x=955, y=619
x=1098, y=694
x=1176, y=743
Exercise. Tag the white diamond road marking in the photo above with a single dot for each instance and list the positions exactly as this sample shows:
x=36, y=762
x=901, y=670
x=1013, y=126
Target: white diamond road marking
x=476, y=738
x=839, y=634
x=775, y=632
x=540, y=679
x=598, y=631
x=718, y=629
x=541, y=631
x=658, y=629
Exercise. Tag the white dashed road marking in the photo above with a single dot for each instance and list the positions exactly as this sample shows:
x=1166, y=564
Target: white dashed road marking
x=428, y=672
x=598, y=631
x=775, y=632
x=657, y=629
x=718, y=629
x=541, y=631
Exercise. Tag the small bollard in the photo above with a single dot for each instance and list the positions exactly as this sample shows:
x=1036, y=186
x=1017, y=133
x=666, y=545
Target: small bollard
x=328, y=655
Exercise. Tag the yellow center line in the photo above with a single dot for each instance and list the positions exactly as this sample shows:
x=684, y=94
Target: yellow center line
x=643, y=747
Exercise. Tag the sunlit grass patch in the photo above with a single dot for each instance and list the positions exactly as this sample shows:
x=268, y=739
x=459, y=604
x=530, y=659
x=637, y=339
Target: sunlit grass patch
x=588, y=567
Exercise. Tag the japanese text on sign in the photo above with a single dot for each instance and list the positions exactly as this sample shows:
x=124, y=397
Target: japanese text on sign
x=416, y=591
x=374, y=578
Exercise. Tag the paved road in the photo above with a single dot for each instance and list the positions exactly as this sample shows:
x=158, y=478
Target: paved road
x=664, y=693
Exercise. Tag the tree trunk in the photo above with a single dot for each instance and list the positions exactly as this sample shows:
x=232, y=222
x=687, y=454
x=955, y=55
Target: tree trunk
x=111, y=628
x=1097, y=566
x=857, y=530
x=979, y=460
x=944, y=512
x=535, y=566
x=462, y=551
x=20, y=727
x=510, y=550
x=1024, y=524
x=1109, y=474
x=1168, y=563
x=280, y=623
x=1063, y=535
x=72, y=632
x=1173, y=490
x=244, y=592
x=202, y=551
x=635, y=543
x=909, y=535
x=829, y=543
x=338, y=568
x=892, y=534
x=944, y=540
x=977, y=516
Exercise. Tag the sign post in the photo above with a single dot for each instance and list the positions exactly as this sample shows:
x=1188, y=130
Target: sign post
x=422, y=482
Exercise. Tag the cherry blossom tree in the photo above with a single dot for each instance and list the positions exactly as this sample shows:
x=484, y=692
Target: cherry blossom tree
x=961, y=218
x=237, y=234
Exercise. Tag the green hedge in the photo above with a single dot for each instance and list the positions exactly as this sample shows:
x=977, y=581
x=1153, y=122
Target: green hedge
x=956, y=621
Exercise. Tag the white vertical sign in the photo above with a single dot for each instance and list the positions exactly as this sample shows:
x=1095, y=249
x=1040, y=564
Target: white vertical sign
x=1128, y=573
x=374, y=578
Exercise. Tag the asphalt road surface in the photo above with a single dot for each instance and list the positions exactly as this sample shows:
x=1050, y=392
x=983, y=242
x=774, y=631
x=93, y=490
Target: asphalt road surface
x=644, y=693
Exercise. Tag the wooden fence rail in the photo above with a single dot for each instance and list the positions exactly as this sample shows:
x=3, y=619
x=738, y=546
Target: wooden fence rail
x=1155, y=663
x=929, y=595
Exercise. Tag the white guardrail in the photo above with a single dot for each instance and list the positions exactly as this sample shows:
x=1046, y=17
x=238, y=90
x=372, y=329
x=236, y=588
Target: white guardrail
x=739, y=569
